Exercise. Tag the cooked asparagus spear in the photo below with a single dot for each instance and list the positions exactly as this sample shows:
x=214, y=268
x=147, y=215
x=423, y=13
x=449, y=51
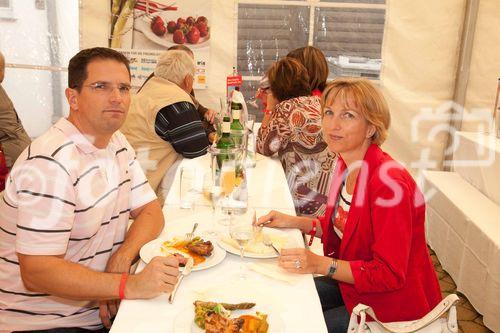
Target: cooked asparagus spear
x=227, y=306
x=127, y=10
x=116, y=6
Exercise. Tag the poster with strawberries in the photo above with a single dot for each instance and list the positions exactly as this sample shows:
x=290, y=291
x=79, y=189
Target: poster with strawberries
x=143, y=29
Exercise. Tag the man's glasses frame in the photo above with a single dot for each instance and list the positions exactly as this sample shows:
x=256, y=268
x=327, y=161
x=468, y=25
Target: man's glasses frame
x=107, y=88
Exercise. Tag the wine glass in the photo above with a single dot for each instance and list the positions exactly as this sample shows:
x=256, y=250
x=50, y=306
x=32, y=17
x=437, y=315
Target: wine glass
x=250, y=144
x=187, y=187
x=242, y=231
x=212, y=193
x=228, y=177
x=227, y=184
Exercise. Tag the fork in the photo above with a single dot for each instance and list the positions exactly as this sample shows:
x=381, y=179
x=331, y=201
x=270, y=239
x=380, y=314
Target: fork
x=190, y=235
x=268, y=242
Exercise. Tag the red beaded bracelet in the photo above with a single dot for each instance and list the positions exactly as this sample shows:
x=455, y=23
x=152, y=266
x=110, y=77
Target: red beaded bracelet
x=312, y=233
x=123, y=282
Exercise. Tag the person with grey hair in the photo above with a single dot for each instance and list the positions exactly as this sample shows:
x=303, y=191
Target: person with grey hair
x=207, y=115
x=13, y=137
x=163, y=124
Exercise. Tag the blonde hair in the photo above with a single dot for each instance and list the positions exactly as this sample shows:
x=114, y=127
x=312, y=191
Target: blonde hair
x=174, y=65
x=368, y=100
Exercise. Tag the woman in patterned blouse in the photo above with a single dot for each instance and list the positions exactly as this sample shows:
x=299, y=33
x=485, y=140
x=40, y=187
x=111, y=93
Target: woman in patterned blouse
x=292, y=129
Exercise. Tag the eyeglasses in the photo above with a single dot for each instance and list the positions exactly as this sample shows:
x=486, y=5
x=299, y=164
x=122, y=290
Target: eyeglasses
x=106, y=88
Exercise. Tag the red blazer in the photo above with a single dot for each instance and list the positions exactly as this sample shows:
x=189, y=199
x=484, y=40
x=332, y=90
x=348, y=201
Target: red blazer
x=383, y=241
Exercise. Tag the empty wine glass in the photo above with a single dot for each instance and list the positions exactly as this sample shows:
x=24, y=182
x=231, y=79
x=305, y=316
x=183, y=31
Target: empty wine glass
x=212, y=193
x=250, y=143
x=187, y=187
x=241, y=230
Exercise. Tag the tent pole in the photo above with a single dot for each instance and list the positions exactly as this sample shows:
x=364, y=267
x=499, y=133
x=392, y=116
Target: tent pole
x=54, y=40
x=462, y=75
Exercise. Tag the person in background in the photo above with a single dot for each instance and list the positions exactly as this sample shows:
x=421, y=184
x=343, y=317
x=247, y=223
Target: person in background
x=13, y=137
x=293, y=131
x=163, y=124
x=373, y=232
x=207, y=115
x=64, y=246
x=317, y=68
x=262, y=92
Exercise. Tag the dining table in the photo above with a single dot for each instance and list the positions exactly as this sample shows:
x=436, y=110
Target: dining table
x=289, y=300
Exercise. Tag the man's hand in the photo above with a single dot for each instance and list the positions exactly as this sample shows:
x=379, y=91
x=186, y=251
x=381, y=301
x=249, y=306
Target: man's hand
x=212, y=137
x=118, y=263
x=210, y=116
x=159, y=276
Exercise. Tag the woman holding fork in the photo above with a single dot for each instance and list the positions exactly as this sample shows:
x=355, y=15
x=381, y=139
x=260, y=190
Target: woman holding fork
x=373, y=234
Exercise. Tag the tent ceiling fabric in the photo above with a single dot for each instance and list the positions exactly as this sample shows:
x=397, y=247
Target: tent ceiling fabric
x=485, y=61
x=419, y=60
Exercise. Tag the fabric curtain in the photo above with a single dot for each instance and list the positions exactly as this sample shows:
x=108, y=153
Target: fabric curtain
x=420, y=55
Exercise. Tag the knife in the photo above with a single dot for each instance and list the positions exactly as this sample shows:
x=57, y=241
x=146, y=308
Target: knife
x=185, y=271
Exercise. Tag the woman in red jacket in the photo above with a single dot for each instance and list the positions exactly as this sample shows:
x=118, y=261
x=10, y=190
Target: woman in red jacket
x=373, y=230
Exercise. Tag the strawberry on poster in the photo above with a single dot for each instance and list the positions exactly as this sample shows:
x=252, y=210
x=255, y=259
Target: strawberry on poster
x=159, y=25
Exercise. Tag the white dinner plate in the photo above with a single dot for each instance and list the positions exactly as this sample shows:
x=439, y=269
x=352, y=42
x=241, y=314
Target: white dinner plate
x=232, y=292
x=143, y=24
x=248, y=254
x=153, y=249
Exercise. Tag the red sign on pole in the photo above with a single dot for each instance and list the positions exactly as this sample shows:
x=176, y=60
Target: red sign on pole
x=233, y=82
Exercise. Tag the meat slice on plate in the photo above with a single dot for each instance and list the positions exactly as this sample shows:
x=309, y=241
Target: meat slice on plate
x=215, y=323
x=200, y=247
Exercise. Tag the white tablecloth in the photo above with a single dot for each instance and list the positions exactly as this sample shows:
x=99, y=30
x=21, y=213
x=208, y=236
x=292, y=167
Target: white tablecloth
x=294, y=306
x=463, y=229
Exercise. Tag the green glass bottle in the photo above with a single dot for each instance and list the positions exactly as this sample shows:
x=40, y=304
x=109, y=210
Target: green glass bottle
x=225, y=141
x=237, y=129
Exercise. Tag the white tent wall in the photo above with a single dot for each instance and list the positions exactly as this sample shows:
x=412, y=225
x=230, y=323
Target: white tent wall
x=485, y=60
x=420, y=56
x=30, y=49
x=94, y=20
x=419, y=60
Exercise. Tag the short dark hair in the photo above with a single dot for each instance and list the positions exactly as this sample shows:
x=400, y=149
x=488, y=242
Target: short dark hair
x=77, y=69
x=315, y=62
x=288, y=78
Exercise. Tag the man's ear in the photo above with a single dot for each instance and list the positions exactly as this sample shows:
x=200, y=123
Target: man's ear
x=188, y=83
x=72, y=98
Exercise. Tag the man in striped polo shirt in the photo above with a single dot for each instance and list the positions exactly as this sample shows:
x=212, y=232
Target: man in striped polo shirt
x=64, y=244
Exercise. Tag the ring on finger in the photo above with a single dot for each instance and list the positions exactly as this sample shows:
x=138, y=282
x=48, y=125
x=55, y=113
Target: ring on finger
x=297, y=263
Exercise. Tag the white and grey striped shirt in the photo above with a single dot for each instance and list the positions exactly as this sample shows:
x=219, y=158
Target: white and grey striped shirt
x=64, y=197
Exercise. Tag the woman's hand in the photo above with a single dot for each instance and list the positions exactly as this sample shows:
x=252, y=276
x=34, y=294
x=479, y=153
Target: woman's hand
x=275, y=219
x=303, y=261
